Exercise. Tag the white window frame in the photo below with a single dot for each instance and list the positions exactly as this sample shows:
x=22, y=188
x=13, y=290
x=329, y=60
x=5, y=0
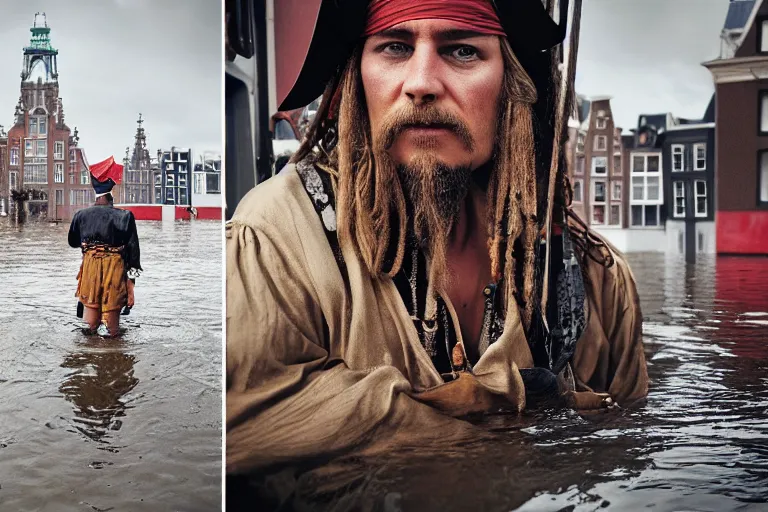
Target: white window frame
x=763, y=112
x=678, y=192
x=29, y=147
x=763, y=175
x=580, y=142
x=696, y=197
x=595, y=166
x=58, y=150
x=696, y=147
x=581, y=190
x=58, y=173
x=33, y=126
x=596, y=144
x=13, y=180
x=644, y=225
x=601, y=123
x=764, y=36
x=678, y=150
x=613, y=186
x=15, y=155
x=594, y=202
x=645, y=175
x=42, y=126
x=41, y=143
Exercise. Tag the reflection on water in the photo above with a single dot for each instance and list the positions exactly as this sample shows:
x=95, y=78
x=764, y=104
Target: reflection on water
x=98, y=380
x=700, y=442
x=132, y=423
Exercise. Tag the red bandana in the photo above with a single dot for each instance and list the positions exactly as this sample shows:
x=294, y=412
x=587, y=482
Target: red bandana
x=476, y=15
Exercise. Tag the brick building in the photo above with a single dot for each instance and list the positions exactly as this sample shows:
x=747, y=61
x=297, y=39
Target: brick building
x=594, y=153
x=39, y=141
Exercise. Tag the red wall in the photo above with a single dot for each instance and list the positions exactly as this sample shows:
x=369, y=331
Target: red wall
x=208, y=213
x=294, y=24
x=744, y=232
x=144, y=211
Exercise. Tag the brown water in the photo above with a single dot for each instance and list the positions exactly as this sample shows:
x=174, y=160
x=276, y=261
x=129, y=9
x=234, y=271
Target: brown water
x=700, y=443
x=88, y=424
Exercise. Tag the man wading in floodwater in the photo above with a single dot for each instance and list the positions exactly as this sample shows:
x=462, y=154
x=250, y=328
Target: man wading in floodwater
x=110, y=245
x=403, y=269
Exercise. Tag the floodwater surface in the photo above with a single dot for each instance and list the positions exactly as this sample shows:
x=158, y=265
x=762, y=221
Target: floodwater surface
x=93, y=424
x=700, y=443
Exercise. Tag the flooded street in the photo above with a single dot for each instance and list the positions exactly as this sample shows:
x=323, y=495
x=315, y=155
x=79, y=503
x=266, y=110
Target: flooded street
x=88, y=424
x=700, y=443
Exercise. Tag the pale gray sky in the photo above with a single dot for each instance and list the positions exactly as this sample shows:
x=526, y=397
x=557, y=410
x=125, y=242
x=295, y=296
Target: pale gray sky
x=117, y=58
x=647, y=55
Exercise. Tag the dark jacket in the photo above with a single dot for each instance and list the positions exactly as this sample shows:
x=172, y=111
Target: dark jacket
x=105, y=224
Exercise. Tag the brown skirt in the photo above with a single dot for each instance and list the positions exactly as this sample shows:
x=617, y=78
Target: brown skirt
x=101, y=282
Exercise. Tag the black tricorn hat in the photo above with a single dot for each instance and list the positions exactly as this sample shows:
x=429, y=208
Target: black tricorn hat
x=341, y=23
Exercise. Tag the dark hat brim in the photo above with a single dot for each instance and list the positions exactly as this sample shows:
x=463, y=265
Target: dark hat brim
x=340, y=24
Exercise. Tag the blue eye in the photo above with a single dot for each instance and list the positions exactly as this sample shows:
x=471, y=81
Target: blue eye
x=465, y=53
x=396, y=49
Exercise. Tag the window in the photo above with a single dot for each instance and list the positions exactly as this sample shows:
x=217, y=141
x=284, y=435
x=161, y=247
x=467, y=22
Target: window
x=579, y=165
x=599, y=165
x=763, y=107
x=35, y=173
x=700, y=192
x=678, y=157
x=679, y=189
x=41, y=126
x=599, y=197
x=645, y=197
x=647, y=215
x=183, y=196
x=158, y=179
x=58, y=150
x=182, y=180
x=85, y=177
x=71, y=178
x=580, y=143
x=59, y=196
x=32, y=126
x=615, y=215
x=58, y=173
x=29, y=147
x=763, y=177
x=42, y=148
x=15, y=156
x=198, y=183
x=600, y=143
x=169, y=180
x=578, y=186
x=763, y=37
x=617, y=165
x=601, y=123
x=699, y=157
x=213, y=183
x=615, y=191
x=13, y=178
x=169, y=195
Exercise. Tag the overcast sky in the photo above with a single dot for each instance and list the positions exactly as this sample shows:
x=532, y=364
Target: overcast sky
x=121, y=57
x=647, y=55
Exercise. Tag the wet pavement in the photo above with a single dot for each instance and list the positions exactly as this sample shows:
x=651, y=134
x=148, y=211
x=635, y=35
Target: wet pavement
x=88, y=424
x=700, y=443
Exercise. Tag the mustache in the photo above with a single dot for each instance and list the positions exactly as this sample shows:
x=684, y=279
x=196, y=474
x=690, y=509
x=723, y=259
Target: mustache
x=423, y=117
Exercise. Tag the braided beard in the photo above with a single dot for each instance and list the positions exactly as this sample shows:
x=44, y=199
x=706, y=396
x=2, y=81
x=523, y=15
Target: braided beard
x=434, y=195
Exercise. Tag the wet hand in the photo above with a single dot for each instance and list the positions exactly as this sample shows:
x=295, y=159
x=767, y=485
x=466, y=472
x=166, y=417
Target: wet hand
x=462, y=397
x=131, y=298
x=589, y=401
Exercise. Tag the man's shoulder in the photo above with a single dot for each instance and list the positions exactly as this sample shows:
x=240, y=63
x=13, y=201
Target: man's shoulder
x=280, y=199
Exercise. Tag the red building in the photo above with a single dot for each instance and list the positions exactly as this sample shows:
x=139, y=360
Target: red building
x=741, y=136
x=39, y=142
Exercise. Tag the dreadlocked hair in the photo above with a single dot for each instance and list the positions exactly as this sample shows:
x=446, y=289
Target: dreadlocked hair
x=340, y=143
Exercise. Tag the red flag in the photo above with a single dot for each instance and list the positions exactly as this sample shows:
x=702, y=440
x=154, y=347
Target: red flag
x=107, y=169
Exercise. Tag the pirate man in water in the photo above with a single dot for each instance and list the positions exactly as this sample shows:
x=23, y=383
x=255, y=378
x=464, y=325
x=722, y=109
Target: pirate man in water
x=111, y=259
x=418, y=261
